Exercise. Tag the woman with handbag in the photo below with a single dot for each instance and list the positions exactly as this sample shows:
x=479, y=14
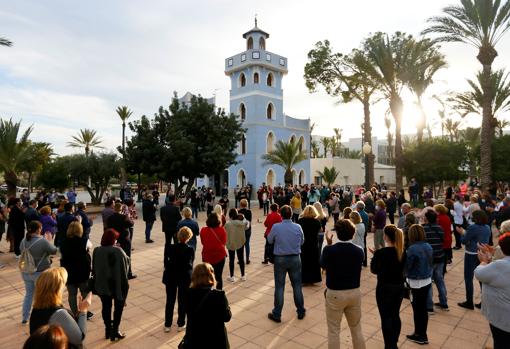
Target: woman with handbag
x=214, y=238
x=110, y=266
x=76, y=260
x=207, y=310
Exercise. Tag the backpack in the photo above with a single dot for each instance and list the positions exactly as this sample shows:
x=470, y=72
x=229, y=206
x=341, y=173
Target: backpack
x=26, y=260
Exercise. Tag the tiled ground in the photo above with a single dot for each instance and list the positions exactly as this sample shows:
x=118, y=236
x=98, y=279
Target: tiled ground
x=250, y=302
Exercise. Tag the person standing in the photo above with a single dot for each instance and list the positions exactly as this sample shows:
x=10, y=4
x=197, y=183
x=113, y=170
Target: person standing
x=188, y=221
x=458, y=220
x=295, y=204
x=236, y=238
x=48, y=221
x=16, y=224
x=323, y=219
x=379, y=224
x=149, y=216
x=31, y=213
x=107, y=212
x=342, y=262
x=178, y=263
x=121, y=224
x=418, y=270
x=388, y=264
x=110, y=266
x=391, y=205
x=86, y=222
x=310, y=268
x=272, y=218
x=360, y=208
x=359, y=236
x=246, y=212
x=214, y=238
x=170, y=217
x=287, y=238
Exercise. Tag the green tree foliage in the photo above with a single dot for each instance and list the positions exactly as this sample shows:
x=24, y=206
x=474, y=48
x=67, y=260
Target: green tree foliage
x=86, y=139
x=37, y=155
x=326, y=143
x=184, y=142
x=471, y=138
x=435, y=160
x=315, y=149
x=100, y=168
x=482, y=24
x=55, y=175
x=13, y=149
x=329, y=175
x=286, y=155
x=500, y=163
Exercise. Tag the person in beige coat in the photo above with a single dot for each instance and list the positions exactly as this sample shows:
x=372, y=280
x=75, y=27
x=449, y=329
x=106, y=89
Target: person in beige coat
x=236, y=239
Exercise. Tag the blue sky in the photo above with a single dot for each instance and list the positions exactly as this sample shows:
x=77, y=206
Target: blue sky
x=73, y=62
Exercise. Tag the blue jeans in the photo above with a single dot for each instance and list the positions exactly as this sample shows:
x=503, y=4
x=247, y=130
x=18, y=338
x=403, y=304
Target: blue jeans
x=148, y=229
x=470, y=263
x=437, y=276
x=29, y=280
x=194, y=212
x=282, y=266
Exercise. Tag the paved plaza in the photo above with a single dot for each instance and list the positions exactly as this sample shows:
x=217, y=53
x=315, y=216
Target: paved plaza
x=250, y=302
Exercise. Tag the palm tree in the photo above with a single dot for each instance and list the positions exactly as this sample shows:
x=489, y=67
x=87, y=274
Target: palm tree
x=471, y=137
x=326, y=142
x=315, y=149
x=389, y=138
x=12, y=152
x=390, y=64
x=353, y=154
x=124, y=113
x=426, y=61
x=501, y=125
x=344, y=76
x=37, y=155
x=452, y=128
x=312, y=127
x=286, y=155
x=86, y=139
x=480, y=23
x=329, y=175
x=5, y=42
x=441, y=112
x=336, y=144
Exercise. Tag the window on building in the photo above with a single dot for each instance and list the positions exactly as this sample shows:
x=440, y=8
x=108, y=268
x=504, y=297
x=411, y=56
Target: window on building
x=292, y=139
x=301, y=143
x=242, y=111
x=270, y=111
x=243, y=145
x=249, y=44
x=269, y=142
x=262, y=43
x=242, y=80
x=256, y=78
x=269, y=79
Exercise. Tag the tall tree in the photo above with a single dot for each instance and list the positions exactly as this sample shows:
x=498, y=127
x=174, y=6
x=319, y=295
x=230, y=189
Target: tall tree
x=441, y=112
x=315, y=149
x=124, y=113
x=286, y=155
x=87, y=140
x=482, y=24
x=501, y=126
x=390, y=67
x=5, y=42
x=452, y=128
x=346, y=77
x=326, y=143
x=425, y=61
x=312, y=127
x=471, y=137
x=329, y=174
x=13, y=149
x=37, y=155
x=389, y=138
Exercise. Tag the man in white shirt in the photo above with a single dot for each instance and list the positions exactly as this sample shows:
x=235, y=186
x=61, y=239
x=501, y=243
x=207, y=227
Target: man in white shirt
x=458, y=219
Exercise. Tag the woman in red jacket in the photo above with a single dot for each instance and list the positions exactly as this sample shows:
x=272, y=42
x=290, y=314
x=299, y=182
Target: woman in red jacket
x=271, y=219
x=214, y=237
x=446, y=224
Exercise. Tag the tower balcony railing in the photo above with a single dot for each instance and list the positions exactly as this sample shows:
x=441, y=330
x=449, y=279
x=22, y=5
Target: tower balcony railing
x=255, y=57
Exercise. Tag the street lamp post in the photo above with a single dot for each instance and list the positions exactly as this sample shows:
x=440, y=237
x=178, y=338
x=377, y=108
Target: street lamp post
x=367, y=150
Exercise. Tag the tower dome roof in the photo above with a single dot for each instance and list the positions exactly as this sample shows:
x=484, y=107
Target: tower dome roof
x=255, y=29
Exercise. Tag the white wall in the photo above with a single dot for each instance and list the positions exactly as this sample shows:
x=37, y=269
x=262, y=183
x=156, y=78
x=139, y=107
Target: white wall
x=352, y=171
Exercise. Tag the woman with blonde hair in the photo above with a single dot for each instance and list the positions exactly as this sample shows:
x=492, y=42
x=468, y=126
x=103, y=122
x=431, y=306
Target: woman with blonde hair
x=310, y=267
x=347, y=212
x=323, y=219
x=295, y=204
x=207, y=310
x=188, y=221
x=219, y=210
x=359, y=235
x=48, y=308
x=76, y=260
x=388, y=264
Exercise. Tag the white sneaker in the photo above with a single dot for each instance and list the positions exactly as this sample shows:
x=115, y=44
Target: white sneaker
x=243, y=278
x=167, y=329
x=181, y=328
x=231, y=279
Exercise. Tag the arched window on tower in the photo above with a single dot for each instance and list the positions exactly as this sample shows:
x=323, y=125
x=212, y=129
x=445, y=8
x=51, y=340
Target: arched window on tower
x=301, y=143
x=270, y=111
x=269, y=142
x=256, y=78
x=243, y=145
x=262, y=43
x=242, y=80
x=269, y=79
x=242, y=111
x=249, y=43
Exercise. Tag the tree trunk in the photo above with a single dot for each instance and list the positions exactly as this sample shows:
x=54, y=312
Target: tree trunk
x=123, y=174
x=288, y=177
x=396, y=107
x=368, y=138
x=487, y=131
x=29, y=183
x=11, y=179
x=139, y=199
x=422, y=121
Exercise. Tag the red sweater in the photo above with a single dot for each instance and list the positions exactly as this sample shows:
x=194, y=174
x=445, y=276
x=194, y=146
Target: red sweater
x=444, y=222
x=213, y=244
x=272, y=218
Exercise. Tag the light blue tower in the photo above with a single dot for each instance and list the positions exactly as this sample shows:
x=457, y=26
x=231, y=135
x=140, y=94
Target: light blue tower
x=256, y=96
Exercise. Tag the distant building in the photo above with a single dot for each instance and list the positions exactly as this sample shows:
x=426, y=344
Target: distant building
x=256, y=96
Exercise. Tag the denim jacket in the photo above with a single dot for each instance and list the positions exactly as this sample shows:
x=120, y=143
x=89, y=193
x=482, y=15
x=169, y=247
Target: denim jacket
x=419, y=261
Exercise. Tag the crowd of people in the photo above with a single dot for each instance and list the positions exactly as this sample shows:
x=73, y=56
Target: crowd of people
x=411, y=250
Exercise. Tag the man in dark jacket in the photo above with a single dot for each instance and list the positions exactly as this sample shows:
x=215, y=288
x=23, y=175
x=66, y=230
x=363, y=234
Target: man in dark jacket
x=170, y=216
x=149, y=216
x=63, y=222
x=434, y=235
x=121, y=224
x=31, y=213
